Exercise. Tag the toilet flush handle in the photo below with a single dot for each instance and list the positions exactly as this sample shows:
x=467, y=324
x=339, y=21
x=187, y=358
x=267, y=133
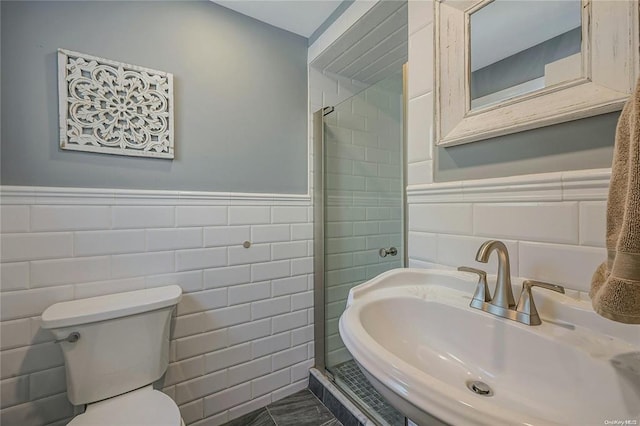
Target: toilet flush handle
x=71, y=338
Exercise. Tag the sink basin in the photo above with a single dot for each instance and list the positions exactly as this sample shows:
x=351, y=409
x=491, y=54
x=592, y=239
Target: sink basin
x=416, y=339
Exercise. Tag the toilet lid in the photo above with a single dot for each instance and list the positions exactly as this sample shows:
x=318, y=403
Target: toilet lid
x=145, y=406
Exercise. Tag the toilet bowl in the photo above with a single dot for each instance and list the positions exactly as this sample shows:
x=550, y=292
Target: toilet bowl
x=114, y=348
x=145, y=406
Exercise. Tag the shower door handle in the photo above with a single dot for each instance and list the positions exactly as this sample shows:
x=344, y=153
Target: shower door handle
x=391, y=250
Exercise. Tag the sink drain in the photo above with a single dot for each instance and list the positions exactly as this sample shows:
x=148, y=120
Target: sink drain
x=479, y=388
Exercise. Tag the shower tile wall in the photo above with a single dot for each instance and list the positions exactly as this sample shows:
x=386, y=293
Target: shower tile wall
x=363, y=197
x=243, y=333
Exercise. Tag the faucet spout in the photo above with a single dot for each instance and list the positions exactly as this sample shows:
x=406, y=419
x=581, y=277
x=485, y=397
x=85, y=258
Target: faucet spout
x=503, y=304
x=503, y=295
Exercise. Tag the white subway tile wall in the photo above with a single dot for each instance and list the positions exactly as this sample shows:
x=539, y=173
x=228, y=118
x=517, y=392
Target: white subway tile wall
x=348, y=161
x=420, y=93
x=242, y=334
x=560, y=242
x=363, y=189
x=591, y=218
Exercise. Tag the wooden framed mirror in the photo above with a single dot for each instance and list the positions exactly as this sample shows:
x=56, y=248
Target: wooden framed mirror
x=505, y=66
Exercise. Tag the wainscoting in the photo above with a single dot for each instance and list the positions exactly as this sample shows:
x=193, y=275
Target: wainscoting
x=242, y=336
x=553, y=224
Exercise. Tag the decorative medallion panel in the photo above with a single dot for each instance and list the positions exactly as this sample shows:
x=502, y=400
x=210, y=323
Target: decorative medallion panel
x=114, y=108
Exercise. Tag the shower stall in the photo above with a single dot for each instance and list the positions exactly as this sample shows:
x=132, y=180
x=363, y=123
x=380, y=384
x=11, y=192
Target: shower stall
x=359, y=221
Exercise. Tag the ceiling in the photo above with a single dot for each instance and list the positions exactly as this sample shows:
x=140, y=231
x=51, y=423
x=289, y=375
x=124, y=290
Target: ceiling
x=301, y=17
x=373, y=48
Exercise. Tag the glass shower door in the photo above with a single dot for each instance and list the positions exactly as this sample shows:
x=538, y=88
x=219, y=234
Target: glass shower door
x=363, y=213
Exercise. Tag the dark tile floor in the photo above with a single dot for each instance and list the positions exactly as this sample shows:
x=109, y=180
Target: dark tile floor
x=300, y=409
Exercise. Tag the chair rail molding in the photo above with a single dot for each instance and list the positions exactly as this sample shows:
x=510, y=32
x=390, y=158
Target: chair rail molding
x=580, y=185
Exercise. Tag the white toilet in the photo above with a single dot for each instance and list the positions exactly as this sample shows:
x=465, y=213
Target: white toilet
x=114, y=348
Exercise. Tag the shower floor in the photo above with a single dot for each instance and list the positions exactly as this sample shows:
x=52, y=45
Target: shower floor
x=350, y=375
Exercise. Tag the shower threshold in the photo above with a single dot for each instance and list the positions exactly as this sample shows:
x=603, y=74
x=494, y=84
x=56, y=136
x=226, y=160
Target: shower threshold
x=350, y=379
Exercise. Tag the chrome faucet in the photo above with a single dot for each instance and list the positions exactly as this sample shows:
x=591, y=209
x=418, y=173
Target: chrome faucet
x=502, y=303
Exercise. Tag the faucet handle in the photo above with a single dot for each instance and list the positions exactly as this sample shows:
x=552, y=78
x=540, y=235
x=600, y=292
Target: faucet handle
x=532, y=283
x=526, y=305
x=482, y=290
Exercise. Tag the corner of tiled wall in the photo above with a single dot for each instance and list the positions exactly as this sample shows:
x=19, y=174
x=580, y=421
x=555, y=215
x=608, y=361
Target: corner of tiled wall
x=420, y=93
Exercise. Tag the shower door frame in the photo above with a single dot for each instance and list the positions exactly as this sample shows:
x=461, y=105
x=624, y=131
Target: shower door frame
x=318, y=241
x=318, y=223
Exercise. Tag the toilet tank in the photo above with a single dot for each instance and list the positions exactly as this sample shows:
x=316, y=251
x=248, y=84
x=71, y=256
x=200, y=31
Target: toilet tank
x=123, y=343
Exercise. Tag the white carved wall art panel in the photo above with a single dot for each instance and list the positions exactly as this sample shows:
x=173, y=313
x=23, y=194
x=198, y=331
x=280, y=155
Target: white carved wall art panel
x=114, y=108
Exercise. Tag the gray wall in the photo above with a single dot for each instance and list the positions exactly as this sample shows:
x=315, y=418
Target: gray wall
x=575, y=145
x=240, y=95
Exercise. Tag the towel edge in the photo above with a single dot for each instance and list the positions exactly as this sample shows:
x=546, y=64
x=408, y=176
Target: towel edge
x=626, y=319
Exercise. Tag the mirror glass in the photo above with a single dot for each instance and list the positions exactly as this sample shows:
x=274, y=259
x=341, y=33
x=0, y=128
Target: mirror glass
x=520, y=46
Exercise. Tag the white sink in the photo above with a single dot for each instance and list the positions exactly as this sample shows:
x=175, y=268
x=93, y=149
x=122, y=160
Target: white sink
x=417, y=340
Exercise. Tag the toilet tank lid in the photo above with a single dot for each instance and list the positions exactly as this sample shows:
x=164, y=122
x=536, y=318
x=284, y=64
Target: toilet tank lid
x=93, y=309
